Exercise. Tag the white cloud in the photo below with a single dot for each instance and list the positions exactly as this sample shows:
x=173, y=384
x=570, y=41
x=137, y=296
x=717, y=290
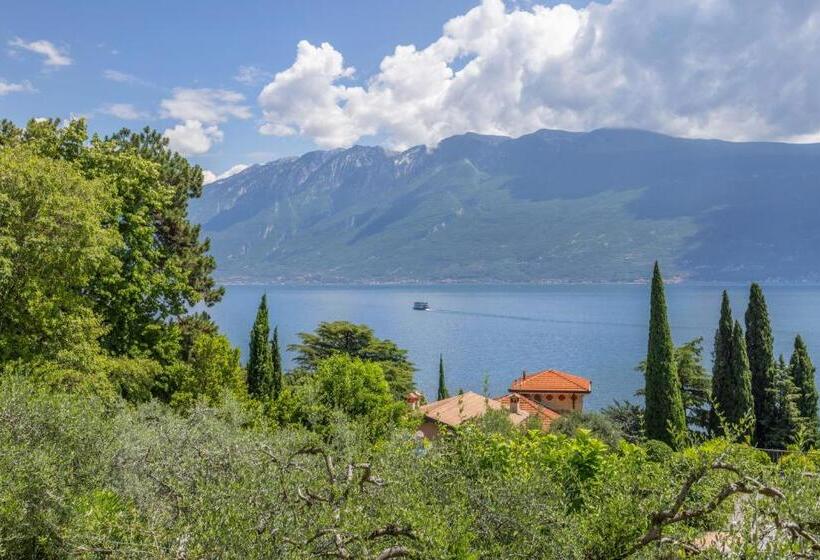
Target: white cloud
x=210, y=176
x=11, y=87
x=201, y=110
x=205, y=105
x=124, y=78
x=53, y=55
x=734, y=69
x=124, y=111
x=193, y=137
x=251, y=75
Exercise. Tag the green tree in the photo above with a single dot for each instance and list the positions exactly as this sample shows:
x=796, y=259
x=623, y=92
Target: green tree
x=760, y=347
x=442, y=393
x=276, y=362
x=356, y=341
x=664, y=417
x=802, y=374
x=783, y=421
x=261, y=381
x=731, y=378
x=53, y=243
x=695, y=383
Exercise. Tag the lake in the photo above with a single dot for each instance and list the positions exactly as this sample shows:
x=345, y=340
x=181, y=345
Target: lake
x=490, y=334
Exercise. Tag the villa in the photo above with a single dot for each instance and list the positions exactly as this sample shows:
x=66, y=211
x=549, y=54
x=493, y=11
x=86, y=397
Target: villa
x=545, y=395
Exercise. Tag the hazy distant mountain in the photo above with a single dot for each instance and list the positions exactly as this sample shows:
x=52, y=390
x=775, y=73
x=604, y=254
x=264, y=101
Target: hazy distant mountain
x=549, y=206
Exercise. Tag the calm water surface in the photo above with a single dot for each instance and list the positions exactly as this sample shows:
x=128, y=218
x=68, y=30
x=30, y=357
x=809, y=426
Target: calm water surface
x=493, y=333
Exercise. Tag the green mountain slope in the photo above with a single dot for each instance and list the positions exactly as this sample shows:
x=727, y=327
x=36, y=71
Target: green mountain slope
x=550, y=206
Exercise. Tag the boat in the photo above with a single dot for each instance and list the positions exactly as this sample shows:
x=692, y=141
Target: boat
x=421, y=306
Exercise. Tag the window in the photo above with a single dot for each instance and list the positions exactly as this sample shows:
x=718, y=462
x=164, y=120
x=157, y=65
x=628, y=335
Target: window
x=561, y=397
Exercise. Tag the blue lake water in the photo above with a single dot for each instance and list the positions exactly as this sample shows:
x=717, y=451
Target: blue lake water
x=493, y=333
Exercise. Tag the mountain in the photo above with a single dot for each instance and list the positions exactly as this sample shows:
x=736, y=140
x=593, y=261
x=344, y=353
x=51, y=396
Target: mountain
x=548, y=206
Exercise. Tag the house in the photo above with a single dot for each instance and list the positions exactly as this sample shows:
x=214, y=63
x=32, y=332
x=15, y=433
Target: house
x=557, y=390
x=545, y=395
x=456, y=410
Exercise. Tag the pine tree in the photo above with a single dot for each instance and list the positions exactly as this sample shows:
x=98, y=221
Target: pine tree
x=260, y=365
x=802, y=375
x=760, y=348
x=665, y=417
x=784, y=419
x=276, y=363
x=442, y=387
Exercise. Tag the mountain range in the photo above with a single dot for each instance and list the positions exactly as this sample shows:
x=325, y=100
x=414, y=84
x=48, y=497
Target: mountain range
x=551, y=206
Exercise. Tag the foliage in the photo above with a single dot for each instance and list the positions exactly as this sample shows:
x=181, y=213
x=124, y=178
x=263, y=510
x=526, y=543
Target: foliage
x=664, y=417
x=84, y=479
x=731, y=378
x=760, y=348
x=695, y=383
x=802, y=373
x=442, y=392
x=52, y=245
x=261, y=375
x=356, y=341
x=627, y=417
x=276, y=359
x=597, y=424
x=782, y=413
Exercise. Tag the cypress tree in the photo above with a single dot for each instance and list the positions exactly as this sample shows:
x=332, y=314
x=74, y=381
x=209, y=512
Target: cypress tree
x=260, y=365
x=784, y=417
x=722, y=365
x=802, y=374
x=760, y=348
x=664, y=417
x=443, y=393
x=743, y=408
x=276, y=362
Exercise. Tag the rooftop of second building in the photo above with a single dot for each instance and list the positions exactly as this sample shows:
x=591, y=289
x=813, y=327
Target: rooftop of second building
x=551, y=380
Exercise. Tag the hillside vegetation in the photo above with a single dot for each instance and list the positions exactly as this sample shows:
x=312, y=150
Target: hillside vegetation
x=549, y=206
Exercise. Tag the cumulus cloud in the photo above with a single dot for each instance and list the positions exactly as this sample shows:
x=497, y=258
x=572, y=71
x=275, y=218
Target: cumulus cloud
x=201, y=110
x=12, y=87
x=210, y=177
x=52, y=55
x=205, y=105
x=733, y=69
x=124, y=111
x=192, y=137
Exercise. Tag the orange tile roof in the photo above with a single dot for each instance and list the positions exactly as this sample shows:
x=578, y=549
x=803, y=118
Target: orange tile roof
x=460, y=408
x=528, y=405
x=551, y=380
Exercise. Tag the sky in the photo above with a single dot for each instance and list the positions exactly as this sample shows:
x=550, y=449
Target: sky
x=236, y=83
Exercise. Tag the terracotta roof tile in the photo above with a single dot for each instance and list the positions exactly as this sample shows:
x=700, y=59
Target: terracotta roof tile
x=460, y=408
x=552, y=380
x=546, y=415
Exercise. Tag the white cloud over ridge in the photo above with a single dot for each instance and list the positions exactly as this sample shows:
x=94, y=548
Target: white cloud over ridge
x=52, y=55
x=731, y=69
x=210, y=177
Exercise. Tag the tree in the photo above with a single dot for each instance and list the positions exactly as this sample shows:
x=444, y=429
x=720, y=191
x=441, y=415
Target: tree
x=783, y=421
x=260, y=365
x=695, y=383
x=731, y=377
x=802, y=374
x=442, y=387
x=356, y=341
x=665, y=417
x=760, y=347
x=53, y=243
x=276, y=362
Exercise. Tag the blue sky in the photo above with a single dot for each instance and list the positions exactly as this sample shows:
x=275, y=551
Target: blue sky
x=710, y=68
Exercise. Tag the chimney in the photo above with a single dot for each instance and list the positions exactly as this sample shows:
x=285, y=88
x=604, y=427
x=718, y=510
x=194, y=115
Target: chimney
x=513, y=404
x=524, y=374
